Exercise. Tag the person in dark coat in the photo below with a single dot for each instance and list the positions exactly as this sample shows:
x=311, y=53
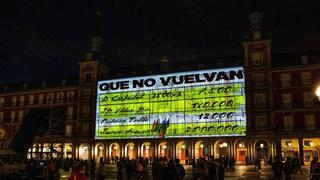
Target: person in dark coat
x=288, y=168
x=277, y=168
x=172, y=172
x=160, y=173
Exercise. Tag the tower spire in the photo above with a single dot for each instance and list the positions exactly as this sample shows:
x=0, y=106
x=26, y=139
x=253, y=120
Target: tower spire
x=256, y=23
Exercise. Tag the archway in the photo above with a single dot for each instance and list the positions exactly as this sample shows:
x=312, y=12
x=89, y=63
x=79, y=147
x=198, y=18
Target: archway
x=84, y=150
x=201, y=149
x=146, y=150
x=114, y=152
x=163, y=149
x=129, y=151
x=182, y=152
x=99, y=152
x=241, y=151
x=262, y=149
x=221, y=148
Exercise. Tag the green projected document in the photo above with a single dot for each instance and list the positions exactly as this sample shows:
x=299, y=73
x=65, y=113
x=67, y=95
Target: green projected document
x=201, y=103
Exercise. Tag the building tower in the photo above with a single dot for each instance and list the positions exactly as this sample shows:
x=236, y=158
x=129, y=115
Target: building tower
x=91, y=70
x=257, y=65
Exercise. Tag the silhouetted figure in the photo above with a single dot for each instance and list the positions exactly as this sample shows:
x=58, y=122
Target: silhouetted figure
x=288, y=169
x=277, y=168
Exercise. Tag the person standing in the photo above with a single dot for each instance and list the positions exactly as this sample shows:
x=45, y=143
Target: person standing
x=79, y=173
x=288, y=168
x=51, y=169
x=232, y=164
x=314, y=169
x=101, y=172
x=277, y=168
x=181, y=170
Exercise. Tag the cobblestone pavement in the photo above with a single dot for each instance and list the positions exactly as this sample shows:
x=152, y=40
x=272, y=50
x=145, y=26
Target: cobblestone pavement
x=242, y=172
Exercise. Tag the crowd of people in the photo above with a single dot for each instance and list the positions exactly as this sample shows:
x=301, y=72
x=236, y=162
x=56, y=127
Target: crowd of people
x=289, y=167
x=204, y=168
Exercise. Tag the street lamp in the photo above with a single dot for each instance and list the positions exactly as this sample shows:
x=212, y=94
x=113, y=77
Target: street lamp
x=261, y=145
x=318, y=92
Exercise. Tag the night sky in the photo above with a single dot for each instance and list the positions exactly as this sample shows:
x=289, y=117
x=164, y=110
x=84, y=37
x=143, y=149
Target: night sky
x=46, y=39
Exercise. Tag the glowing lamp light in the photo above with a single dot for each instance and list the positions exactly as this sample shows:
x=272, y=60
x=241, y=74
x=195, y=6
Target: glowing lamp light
x=311, y=143
x=261, y=145
x=100, y=147
x=318, y=92
x=131, y=147
x=147, y=147
x=289, y=144
x=220, y=146
x=201, y=145
x=164, y=147
x=183, y=146
x=224, y=144
x=240, y=145
x=115, y=147
x=85, y=148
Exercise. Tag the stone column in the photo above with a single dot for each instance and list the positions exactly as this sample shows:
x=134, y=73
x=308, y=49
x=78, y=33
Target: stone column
x=300, y=140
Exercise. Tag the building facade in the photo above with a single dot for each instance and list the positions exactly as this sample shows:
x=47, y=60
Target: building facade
x=281, y=107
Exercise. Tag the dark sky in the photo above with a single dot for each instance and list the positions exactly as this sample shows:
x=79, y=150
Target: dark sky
x=46, y=39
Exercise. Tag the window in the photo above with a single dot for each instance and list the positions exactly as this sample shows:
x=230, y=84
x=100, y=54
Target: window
x=307, y=99
x=88, y=77
x=12, y=116
x=69, y=130
x=257, y=58
x=288, y=122
x=309, y=121
x=50, y=98
x=70, y=113
x=85, y=111
x=60, y=97
x=287, y=100
x=20, y=115
x=41, y=98
x=1, y=117
x=259, y=100
x=14, y=100
x=258, y=79
x=31, y=99
x=285, y=79
x=306, y=78
x=1, y=101
x=21, y=101
x=261, y=122
x=70, y=96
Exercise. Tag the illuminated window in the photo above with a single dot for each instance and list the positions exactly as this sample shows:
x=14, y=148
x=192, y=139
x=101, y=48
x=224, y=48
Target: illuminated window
x=307, y=99
x=50, y=98
x=285, y=79
x=306, y=78
x=20, y=115
x=70, y=113
x=31, y=99
x=41, y=98
x=257, y=58
x=287, y=100
x=259, y=100
x=68, y=130
x=1, y=117
x=70, y=96
x=288, y=122
x=60, y=97
x=12, y=116
x=261, y=122
x=309, y=121
x=21, y=101
x=1, y=101
x=14, y=100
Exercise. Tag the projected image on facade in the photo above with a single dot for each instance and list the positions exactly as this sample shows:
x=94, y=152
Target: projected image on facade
x=186, y=104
